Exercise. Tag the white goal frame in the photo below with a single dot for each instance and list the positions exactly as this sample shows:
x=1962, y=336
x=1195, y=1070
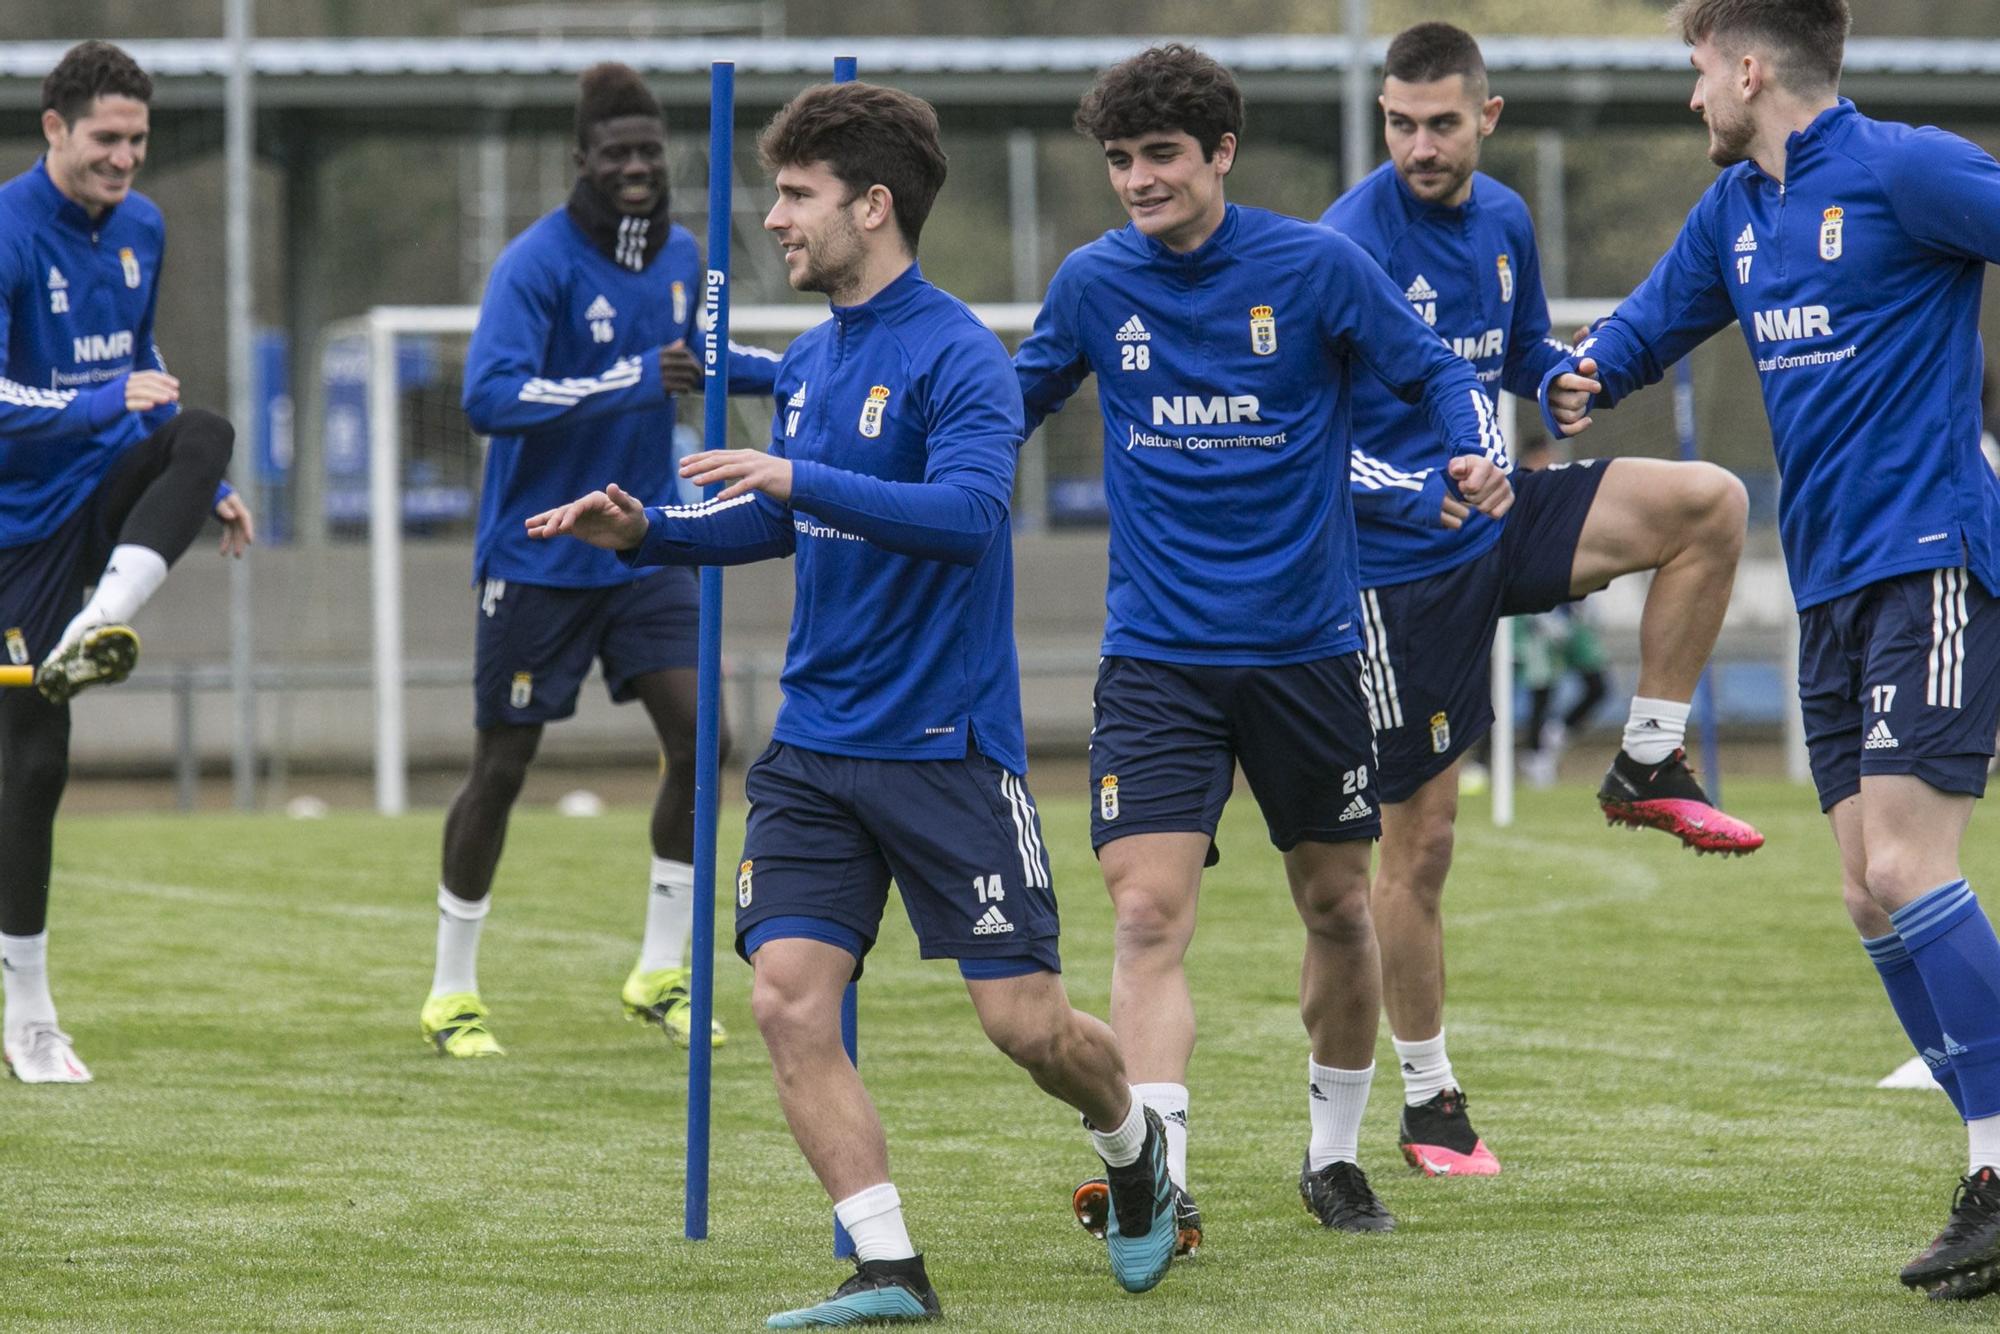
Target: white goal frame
x=383, y=325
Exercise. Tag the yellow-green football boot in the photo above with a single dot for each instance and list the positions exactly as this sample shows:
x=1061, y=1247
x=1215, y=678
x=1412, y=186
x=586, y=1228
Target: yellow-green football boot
x=456, y=1024
x=661, y=997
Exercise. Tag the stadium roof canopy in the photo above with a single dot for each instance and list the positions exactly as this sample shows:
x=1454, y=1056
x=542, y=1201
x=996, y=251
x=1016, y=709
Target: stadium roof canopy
x=340, y=87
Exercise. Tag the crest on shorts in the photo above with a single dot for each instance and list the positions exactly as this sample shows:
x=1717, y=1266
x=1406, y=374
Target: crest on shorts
x=872, y=410
x=17, y=647
x=1506, y=278
x=1440, y=733
x=1829, y=232
x=1107, y=797
x=130, y=263
x=743, y=884
x=680, y=303
x=523, y=691
x=1263, y=331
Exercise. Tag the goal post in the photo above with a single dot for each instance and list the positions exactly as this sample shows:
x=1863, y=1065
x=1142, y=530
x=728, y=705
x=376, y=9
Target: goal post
x=382, y=329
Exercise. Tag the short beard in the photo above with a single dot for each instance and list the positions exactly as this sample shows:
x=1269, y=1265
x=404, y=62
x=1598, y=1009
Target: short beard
x=1729, y=142
x=834, y=262
x=1451, y=186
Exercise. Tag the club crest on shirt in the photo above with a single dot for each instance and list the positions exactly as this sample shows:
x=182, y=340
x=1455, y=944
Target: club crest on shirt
x=680, y=303
x=1263, y=331
x=130, y=263
x=743, y=884
x=872, y=410
x=523, y=690
x=1440, y=733
x=17, y=647
x=1829, y=232
x=1506, y=278
x=1107, y=797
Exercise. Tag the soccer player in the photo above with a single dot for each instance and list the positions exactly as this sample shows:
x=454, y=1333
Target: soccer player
x=1460, y=248
x=1223, y=340
x=898, y=750
x=103, y=480
x=573, y=371
x=1851, y=252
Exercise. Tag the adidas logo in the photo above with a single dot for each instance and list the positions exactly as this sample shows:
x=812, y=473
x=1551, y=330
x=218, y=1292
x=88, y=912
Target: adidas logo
x=1747, y=242
x=600, y=309
x=1316, y=1094
x=56, y=279
x=798, y=398
x=991, y=923
x=1420, y=290
x=1133, y=332
x=1934, y=1058
x=1178, y=1116
x=1879, y=737
x=1951, y=1045
x=1356, y=810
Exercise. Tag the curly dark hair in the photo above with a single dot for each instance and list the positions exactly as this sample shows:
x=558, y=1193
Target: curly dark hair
x=607, y=91
x=867, y=135
x=1810, y=35
x=88, y=71
x=1163, y=88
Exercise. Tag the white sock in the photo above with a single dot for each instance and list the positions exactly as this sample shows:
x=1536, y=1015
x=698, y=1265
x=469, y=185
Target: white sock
x=1426, y=1069
x=1655, y=728
x=1338, y=1098
x=874, y=1218
x=1983, y=1135
x=1171, y=1102
x=132, y=575
x=24, y=969
x=1120, y=1147
x=459, y=921
x=669, y=916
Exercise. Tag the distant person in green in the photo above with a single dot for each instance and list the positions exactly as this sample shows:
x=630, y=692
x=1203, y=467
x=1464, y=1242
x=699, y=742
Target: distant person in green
x=1548, y=648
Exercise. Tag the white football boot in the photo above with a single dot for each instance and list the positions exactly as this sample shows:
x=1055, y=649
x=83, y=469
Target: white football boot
x=41, y=1054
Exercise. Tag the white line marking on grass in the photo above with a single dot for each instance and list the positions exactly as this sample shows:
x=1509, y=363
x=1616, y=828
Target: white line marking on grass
x=1624, y=880
x=310, y=907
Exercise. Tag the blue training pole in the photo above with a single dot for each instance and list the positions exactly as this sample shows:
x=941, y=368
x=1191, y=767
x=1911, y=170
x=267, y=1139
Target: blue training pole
x=1704, y=691
x=844, y=71
x=708, y=696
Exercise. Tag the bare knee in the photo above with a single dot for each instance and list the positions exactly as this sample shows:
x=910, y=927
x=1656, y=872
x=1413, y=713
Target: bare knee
x=1720, y=507
x=790, y=1016
x=1415, y=861
x=1895, y=876
x=1152, y=920
x=1035, y=1047
x=500, y=762
x=1862, y=910
x=1334, y=906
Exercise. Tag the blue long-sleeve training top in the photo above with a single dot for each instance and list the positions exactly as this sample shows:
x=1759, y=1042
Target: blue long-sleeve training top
x=564, y=374
x=80, y=296
x=1857, y=281
x=1223, y=377
x=903, y=425
x=1473, y=273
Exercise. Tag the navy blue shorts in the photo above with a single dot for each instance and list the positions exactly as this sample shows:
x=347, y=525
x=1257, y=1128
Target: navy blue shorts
x=1430, y=641
x=535, y=643
x=961, y=838
x=1168, y=736
x=1901, y=677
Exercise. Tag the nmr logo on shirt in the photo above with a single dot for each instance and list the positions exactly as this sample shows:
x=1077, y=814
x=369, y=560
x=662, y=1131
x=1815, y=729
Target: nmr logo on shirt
x=1792, y=322
x=1195, y=410
x=1478, y=346
x=102, y=347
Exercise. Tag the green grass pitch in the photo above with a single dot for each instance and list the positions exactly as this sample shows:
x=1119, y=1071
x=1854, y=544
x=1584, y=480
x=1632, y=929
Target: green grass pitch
x=1673, y=1057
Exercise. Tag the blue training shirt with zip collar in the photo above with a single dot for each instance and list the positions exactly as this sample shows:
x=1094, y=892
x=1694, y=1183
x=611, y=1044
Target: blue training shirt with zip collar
x=1223, y=376
x=1857, y=283
x=80, y=295
x=903, y=426
x=1474, y=274
x=563, y=373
